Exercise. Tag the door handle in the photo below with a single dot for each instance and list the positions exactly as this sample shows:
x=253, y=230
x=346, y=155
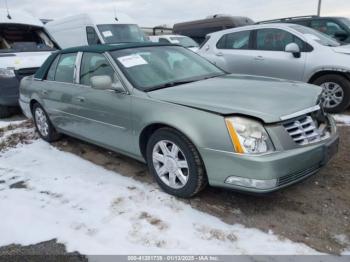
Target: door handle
x=259, y=58
x=44, y=92
x=80, y=99
x=219, y=54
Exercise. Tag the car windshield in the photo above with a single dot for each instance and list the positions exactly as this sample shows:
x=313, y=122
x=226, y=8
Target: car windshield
x=121, y=33
x=24, y=38
x=184, y=41
x=317, y=36
x=156, y=67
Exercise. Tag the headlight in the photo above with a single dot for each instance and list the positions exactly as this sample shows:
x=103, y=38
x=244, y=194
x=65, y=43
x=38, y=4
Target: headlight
x=7, y=73
x=248, y=136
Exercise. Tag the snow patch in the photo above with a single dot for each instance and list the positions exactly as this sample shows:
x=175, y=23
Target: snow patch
x=342, y=119
x=95, y=211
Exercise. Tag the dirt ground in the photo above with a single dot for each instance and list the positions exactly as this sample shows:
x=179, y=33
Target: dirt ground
x=315, y=212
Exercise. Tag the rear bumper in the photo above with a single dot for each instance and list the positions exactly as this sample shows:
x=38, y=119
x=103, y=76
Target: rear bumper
x=9, y=91
x=279, y=170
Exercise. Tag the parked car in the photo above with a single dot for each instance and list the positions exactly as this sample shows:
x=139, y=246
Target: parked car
x=198, y=29
x=24, y=46
x=191, y=122
x=336, y=27
x=182, y=40
x=95, y=28
x=286, y=51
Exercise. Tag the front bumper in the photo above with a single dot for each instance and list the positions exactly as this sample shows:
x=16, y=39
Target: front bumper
x=285, y=168
x=9, y=91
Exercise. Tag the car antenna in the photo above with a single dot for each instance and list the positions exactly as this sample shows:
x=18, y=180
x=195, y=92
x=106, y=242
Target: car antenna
x=115, y=14
x=7, y=9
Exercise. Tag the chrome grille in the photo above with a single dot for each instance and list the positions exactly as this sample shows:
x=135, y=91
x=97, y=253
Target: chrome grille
x=307, y=129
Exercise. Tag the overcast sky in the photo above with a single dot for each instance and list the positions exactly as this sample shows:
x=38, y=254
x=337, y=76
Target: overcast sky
x=155, y=12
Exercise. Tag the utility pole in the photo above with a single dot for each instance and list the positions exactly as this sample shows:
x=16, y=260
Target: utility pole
x=319, y=7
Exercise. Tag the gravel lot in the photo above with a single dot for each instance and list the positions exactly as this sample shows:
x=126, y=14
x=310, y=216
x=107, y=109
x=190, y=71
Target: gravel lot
x=315, y=212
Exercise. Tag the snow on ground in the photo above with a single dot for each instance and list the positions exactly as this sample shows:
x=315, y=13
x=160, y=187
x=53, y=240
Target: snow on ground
x=95, y=211
x=11, y=121
x=342, y=119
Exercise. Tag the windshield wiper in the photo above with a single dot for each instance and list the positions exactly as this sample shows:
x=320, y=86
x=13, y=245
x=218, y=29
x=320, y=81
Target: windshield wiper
x=170, y=84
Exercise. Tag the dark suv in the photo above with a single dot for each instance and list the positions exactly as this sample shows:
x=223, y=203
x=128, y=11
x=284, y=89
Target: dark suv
x=336, y=27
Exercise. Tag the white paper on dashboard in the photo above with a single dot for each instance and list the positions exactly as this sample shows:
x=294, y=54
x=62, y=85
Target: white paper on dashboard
x=107, y=33
x=132, y=60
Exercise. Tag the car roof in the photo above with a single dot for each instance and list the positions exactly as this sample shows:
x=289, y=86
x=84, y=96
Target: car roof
x=253, y=27
x=109, y=47
x=41, y=72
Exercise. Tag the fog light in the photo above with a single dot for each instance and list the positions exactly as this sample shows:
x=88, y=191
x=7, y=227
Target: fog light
x=252, y=183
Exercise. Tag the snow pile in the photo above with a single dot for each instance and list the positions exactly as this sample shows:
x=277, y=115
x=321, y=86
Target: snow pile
x=342, y=119
x=46, y=194
x=11, y=121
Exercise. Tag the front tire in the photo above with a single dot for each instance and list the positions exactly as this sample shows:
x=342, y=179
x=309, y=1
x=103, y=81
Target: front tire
x=336, y=92
x=175, y=163
x=43, y=124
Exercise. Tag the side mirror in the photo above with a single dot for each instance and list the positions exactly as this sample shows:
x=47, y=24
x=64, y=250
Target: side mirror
x=101, y=82
x=104, y=82
x=294, y=49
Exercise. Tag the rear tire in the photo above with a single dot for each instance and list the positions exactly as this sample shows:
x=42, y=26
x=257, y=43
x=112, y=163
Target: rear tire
x=43, y=124
x=330, y=97
x=180, y=160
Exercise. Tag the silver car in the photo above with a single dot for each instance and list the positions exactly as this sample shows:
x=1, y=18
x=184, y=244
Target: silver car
x=286, y=51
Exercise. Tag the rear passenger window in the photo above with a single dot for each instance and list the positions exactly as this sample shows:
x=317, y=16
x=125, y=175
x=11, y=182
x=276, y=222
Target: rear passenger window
x=51, y=73
x=65, y=68
x=238, y=40
x=94, y=64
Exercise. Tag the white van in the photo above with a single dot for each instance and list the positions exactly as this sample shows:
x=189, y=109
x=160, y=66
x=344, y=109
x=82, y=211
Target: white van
x=24, y=46
x=95, y=28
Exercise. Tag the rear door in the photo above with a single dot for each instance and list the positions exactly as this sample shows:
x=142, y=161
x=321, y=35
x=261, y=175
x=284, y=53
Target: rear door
x=59, y=89
x=232, y=52
x=270, y=59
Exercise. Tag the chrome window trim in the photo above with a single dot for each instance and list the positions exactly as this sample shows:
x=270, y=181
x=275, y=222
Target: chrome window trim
x=77, y=68
x=300, y=113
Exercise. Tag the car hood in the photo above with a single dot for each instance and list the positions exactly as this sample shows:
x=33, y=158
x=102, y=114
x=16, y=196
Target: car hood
x=23, y=59
x=343, y=49
x=265, y=98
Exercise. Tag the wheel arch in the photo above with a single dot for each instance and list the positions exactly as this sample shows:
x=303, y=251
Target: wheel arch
x=150, y=129
x=324, y=72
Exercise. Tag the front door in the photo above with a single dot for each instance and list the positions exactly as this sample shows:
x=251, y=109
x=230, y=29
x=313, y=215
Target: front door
x=270, y=59
x=104, y=115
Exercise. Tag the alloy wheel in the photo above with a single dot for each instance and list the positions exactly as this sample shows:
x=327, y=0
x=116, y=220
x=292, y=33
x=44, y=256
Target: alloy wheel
x=41, y=122
x=332, y=95
x=170, y=164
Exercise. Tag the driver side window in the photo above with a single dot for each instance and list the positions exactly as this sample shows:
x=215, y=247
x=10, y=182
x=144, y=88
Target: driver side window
x=276, y=40
x=94, y=64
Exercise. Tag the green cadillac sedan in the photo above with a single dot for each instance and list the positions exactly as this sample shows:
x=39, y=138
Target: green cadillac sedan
x=191, y=122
